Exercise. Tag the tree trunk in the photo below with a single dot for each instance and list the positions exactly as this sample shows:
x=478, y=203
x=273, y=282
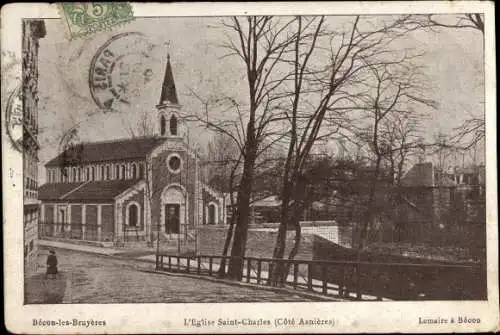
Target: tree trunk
x=295, y=249
x=243, y=213
x=298, y=210
x=279, y=249
x=229, y=236
x=368, y=217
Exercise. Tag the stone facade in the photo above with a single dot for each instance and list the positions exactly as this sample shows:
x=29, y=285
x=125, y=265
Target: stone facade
x=127, y=190
x=174, y=186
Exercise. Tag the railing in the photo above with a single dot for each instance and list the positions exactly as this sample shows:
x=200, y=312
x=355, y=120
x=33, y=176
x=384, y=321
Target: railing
x=70, y=231
x=131, y=234
x=348, y=279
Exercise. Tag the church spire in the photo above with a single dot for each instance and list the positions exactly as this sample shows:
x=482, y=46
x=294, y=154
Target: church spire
x=168, y=92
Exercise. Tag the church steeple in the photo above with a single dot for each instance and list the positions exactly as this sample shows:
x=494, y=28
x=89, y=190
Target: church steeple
x=168, y=124
x=168, y=91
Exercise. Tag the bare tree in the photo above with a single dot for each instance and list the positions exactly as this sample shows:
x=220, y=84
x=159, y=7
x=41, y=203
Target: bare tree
x=404, y=140
x=221, y=172
x=466, y=20
x=472, y=130
x=398, y=90
x=221, y=162
x=230, y=231
x=225, y=119
x=469, y=134
x=323, y=94
x=259, y=42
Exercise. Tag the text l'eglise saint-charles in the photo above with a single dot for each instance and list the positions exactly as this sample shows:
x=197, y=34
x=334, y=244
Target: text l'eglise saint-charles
x=193, y=322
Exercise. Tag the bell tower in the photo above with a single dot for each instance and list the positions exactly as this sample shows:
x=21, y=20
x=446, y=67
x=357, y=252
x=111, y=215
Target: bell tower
x=167, y=121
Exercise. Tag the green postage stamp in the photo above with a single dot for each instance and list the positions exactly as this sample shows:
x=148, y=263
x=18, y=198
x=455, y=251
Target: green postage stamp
x=83, y=19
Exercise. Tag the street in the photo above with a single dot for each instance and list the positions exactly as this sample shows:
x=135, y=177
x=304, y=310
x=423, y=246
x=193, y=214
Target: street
x=87, y=278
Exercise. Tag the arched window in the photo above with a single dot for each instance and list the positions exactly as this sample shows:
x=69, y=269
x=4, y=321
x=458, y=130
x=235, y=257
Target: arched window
x=106, y=173
x=73, y=174
x=87, y=173
x=211, y=213
x=102, y=172
x=163, y=126
x=92, y=173
x=134, y=171
x=117, y=172
x=133, y=215
x=173, y=125
x=141, y=171
x=123, y=172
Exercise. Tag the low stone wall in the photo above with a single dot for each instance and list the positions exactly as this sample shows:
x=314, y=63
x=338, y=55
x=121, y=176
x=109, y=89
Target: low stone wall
x=260, y=243
x=341, y=235
x=302, y=224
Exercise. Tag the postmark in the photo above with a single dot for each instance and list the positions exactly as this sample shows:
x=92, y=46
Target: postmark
x=14, y=118
x=119, y=70
x=83, y=19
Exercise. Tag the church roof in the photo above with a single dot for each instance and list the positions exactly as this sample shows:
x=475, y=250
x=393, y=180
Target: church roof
x=55, y=191
x=85, y=191
x=168, y=91
x=118, y=150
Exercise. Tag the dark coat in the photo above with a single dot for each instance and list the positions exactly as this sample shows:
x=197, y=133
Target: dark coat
x=52, y=264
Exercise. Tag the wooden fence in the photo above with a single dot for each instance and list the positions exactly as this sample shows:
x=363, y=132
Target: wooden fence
x=348, y=279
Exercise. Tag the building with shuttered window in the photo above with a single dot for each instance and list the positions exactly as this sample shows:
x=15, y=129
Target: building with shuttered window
x=33, y=30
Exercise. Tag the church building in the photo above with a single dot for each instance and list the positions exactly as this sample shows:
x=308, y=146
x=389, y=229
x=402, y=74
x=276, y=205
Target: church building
x=130, y=189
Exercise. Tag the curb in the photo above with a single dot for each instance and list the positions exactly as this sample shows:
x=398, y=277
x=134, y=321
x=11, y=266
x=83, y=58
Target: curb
x=111, y=255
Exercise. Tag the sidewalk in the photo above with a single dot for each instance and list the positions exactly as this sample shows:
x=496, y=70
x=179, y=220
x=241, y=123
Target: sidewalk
x=139, y=254
x=78, y=247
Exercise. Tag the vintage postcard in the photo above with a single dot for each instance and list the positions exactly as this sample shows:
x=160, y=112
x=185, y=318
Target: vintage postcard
x=249, y=167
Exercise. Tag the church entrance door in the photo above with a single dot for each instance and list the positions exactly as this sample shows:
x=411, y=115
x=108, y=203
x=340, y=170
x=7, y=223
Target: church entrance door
x=172, y=218
x=211, y=214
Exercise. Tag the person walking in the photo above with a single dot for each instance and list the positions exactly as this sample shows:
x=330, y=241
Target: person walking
x=52, y=265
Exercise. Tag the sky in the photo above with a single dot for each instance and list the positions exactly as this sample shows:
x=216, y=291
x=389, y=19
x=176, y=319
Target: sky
x=453, y=60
